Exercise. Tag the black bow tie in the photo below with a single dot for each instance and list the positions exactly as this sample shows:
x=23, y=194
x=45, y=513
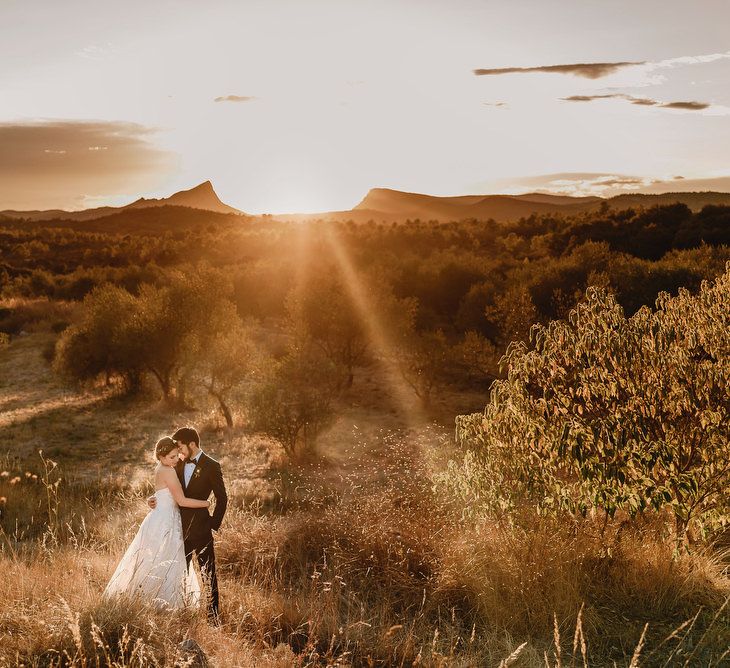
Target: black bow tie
x=191, y=461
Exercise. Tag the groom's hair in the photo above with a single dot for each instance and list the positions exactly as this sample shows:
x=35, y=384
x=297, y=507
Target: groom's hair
x=187, y=435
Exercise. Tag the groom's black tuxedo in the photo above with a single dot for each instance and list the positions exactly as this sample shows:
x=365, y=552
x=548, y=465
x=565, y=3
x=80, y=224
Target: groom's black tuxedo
x=207, y=477
x=198, y=524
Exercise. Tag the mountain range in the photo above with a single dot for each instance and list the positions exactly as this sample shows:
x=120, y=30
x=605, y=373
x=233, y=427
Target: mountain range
x=395, y=205
x=384, y=204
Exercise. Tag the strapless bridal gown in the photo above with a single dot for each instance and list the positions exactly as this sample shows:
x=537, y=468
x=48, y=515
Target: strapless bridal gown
x=153, y=567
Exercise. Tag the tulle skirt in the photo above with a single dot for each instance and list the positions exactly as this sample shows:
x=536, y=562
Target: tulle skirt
x=153, y=568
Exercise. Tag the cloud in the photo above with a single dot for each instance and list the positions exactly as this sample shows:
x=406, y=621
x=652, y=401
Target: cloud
x=592, y=184
x=234, y=98
x=689, y=60
x=642, y=101
x=586, y=98
x=692, y=106
x=96, y=51
x=599, y=70
x=495, y=104
x=619, y=181
x=623, y=74
x=586, y=70
x=604, y=184
x=57, y=164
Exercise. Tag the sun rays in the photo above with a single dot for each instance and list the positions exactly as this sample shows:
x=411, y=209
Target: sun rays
x=319, y=242
x=378, y=334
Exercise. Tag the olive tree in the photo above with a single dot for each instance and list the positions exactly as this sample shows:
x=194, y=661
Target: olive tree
x=108, y=340
x=423, y=358
x=513, y=313
x=293, y=400
x=228, y=361
x=325, y=312
x=170, y=332
x=179, y=321
x=478, y=355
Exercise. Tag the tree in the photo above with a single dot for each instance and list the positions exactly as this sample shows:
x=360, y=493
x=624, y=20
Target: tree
x=514, y=313
x=170, y=332
x=323, y=311
x=107, y=341
x=479, y=355
x=423, y=360
x=227, y=362
x=180, y=320
x=616, y=413
x=293, y=400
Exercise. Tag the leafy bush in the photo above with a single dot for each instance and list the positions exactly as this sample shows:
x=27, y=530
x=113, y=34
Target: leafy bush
x=614, y=413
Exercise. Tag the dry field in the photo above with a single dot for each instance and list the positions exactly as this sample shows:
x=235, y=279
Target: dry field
x=356, y=559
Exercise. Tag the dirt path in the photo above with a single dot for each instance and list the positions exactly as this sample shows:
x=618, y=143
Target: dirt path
x=89, y=433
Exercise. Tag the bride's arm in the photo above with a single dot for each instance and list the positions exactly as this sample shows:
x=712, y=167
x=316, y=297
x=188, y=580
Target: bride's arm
x=173, y=484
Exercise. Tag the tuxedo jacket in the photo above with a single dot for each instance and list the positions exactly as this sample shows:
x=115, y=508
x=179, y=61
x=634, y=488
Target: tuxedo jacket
x=207, y=477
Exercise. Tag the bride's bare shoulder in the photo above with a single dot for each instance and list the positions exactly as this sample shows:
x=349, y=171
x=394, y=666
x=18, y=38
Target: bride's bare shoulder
x=163, y=479
x=163, y=472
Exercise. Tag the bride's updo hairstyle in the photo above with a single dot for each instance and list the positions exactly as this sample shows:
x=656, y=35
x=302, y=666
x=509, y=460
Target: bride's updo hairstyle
x=164, y=447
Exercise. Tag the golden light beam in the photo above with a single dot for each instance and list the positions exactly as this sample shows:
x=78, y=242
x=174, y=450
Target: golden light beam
x=302, y=257
x=378, y=334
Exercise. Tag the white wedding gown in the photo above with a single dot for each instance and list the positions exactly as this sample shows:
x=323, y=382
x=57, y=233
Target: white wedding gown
x=153, y=567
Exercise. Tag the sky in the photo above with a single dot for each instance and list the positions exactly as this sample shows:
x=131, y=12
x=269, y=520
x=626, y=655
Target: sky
x=305, y=105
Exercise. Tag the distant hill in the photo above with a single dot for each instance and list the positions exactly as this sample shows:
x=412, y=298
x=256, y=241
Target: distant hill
x=549, y=198
x=384, y=204
x=694, y=200
x=143, y=220
x=202, y=197
x=511, y=207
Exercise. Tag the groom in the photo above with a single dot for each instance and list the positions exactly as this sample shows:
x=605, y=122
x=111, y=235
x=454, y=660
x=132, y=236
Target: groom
x=200, y=475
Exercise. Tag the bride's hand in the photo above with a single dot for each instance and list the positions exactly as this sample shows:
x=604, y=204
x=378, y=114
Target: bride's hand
x=208, y=506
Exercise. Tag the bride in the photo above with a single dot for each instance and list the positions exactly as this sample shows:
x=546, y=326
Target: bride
x=153, y=567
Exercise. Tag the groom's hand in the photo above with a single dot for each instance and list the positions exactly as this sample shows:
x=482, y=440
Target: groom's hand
x=152, y=501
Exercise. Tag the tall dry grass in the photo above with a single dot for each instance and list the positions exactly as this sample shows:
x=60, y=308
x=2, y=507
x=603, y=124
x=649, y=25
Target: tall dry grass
x=382, y=571
x=401, y=585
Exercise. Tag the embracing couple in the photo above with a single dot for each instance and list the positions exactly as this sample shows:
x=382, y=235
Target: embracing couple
x=157, y=566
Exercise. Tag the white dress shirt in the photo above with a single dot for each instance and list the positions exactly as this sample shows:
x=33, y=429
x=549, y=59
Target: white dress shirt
x=190, y=467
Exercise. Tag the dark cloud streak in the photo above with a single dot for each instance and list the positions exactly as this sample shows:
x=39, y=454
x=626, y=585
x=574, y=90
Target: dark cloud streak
x=692, y=105
x=586, y=70
x=642, y=101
